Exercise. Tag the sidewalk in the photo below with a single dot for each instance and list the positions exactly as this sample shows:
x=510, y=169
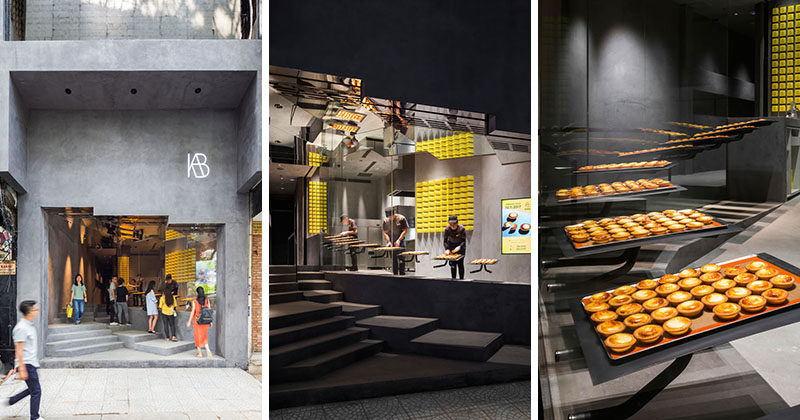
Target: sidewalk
x=180, y=393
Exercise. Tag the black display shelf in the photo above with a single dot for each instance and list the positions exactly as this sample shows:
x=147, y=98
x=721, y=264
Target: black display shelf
x=552, y=201
x=626, y=171
x=603, y=369
x=706, y=142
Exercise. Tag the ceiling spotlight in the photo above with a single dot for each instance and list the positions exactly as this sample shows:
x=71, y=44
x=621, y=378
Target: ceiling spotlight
x=68, y=91
x=736, y=13
x=198, y=90
x=133, y=91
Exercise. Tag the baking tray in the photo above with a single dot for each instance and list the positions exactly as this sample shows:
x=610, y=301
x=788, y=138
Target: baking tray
x=553, y=201
x=478, y=263
x=730, y=131
x=414, y=253
x=603, y=369
x=460, y=257
x=628, y=170
x=715, y=224
x=705, y=141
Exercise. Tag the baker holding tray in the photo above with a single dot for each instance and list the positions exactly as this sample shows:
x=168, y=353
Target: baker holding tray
x=455, y=242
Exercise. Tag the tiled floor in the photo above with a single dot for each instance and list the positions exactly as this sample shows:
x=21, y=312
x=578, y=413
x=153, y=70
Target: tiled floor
x=500, y=401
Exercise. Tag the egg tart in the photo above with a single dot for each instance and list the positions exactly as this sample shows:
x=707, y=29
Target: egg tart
x=604, y=222
x=710, y=268
x=753, y=303
x=640, y=233
x=663, y=219
x=648, y=333
x=667, y=223
x=733, y=271
x=766, y=273
x=624, y=290
x=621, y=236
x=686, y=211
x=727, y=310
x=620, y=342
x=678, y=297
x=689, y=283
x=607, y=328
x=648, y=284
x=562, y=194
x=774, y=296
x=613, y=231
x=713, y=300
x=669, y=212
x=668, y=278
x=706, y=220
x=709, y=278
x=622, y=220
x=686, y=222
x=667, y=288
x=755, y=266
x=602, y=238
x=678, y=325
x=580, y=237
x=650, y=225
x=759, y=286
x=689, y=272
x=654, y=214
x=630, y=225
x=613, y=226
x=594, y=229
x=620, y=300
x=571, y=228
x=690, y=308
x=600, y=297
x=651, y=305
x=744, y=279
x=603, y=316
x=643, y=295
x=637, y=320
x=664, y=314
x=736, y=293
x=641, y=219
x=677, y=227
x=588, y=223
x=592, y=307
x=723, y=285
x=659, y=230
x=629, y=309
x=694, y=225
x=703, y=290
x=782, y=281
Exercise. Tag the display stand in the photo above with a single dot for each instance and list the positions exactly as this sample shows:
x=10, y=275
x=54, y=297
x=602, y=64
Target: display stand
x=483, y=266
x=627, y=171
x=413, y=258
x=446, y=262
x=360, y=248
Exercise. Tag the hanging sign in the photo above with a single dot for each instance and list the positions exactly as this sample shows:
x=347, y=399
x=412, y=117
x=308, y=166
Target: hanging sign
x=8, y=268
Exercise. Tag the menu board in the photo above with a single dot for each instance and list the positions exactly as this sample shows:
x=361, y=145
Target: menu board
x=515, y=226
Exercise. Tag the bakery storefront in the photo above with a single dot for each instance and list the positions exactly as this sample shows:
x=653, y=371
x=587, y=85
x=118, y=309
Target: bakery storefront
x=667, y=192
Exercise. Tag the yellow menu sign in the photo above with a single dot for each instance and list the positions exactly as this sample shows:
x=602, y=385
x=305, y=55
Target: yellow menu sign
x=515, y=226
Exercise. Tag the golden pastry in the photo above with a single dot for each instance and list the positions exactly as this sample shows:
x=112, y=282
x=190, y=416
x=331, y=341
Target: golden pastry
x=690, y=308
x=620, y=300
x=588, y=223
x=648, y=333
x=667, y=288
x=630, y=225
x=706, y=220
x=689, y=272
x=709, y=278
x=592, y=307
x=694, y=225
x=655, y=215
x=621, y=236
x=604, y=222
x=723, y=285
x=601, y=239
x=629, y=309
x=734, y=271
x=659, y=231
x=782, y=281
x=571, y=228
x=703, y=290
x=640, y=233
x=677, y=228
x=662, y=220
x=689, y=283
x=610, y=327
x=755, y=266
x=759, y=286
x=774, y=296
x=624, y=290
x=603, y=316
x=581, y=237
x=766, y=273
x=637, y=320
x=668, y=278
x=678, y=297
x=664, y=314
x=613, y=226
x=650, y=226
x=641, y=219
x=594, y=229
x=713, y=300
x=670, y=223
x=644, y=295
x=744, y=279
x=669, y=212
x=686, y=211
x=600, y=297
x=651, y=305
x=727, y=310
x=620, y=342
x=736, y=293
x=678, y=325
x=753, y=303
x=686, y=221
x=613, y=231
x=647, y=284
x=710, y=268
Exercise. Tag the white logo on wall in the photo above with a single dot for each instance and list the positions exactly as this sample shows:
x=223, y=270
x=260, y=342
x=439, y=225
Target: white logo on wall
x=197, y=165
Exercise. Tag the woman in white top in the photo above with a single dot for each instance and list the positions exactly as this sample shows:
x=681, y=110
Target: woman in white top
x=152, y=307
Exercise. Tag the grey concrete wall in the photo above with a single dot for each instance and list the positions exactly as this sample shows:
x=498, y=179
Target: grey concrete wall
x=132, y=19
x=493, y=182
x=14, y=158
x=248, y=131
x=134, y=163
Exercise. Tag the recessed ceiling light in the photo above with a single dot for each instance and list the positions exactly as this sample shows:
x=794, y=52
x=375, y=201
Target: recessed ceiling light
x=198, y=90
x=68, y=91
x=133, y=91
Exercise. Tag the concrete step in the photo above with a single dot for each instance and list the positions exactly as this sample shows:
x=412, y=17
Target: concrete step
x=284, y=297
x=163, y=348
x=323, y=296
x=79, y=343
x=280, y=269
x=310, y=275
x=398, y=331
x=458, y=344
x=131, y=337
x=324, y=363
x=359, y=311
x=310, y=347
x=80, y=351
x=314, y=284
x=77, y=335
x=283, y=336
x=282, y=277
x=293, y=313
x=70, y=328
x=289, y=286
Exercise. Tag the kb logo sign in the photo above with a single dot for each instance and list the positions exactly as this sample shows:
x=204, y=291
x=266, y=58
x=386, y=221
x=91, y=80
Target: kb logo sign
x=197, y=165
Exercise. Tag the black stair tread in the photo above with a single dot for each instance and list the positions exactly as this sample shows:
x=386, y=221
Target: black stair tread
x=293, y=292
x=295, y=308
x=349, y=306
x=288, y=348
x=298, y=327
x=311, y=272
x=460, y=338
x=398, y=322
x=315, y=281
x=279, y=283
x=320, y=292
x=325, y=357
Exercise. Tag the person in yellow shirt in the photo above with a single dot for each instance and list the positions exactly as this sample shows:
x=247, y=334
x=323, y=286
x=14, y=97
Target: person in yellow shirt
x=168, y=305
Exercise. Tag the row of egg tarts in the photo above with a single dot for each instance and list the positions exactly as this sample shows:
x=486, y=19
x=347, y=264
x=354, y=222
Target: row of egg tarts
x=675, y=298
x=637, y=226
x=613, y=188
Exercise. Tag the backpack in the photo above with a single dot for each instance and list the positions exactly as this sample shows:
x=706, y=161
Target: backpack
x=206, y=316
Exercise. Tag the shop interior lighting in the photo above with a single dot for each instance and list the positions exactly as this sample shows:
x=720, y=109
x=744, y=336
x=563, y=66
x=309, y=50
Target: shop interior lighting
x=350, y=115
x=345, y=127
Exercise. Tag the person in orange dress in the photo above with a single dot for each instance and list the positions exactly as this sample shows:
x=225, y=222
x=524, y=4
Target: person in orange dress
x=200, y=331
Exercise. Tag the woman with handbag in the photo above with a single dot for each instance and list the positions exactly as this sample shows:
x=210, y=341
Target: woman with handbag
x=200, y=330
x=78, y=297
x=167, y=305
x=152, y=309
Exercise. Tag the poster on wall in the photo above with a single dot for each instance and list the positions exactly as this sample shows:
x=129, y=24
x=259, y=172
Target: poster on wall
x=515, y=225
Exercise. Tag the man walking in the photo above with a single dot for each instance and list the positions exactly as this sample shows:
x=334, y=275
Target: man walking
x=26, y=360
x=112, y=300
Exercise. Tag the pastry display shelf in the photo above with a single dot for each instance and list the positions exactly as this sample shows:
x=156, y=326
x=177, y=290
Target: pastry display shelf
x=705, y=141
x=679, y=153
x=360, y=248
x=626, y=171
x=447, y=261
x=552, y=201
x=483, y=266
x=410, y=256
x=380, y=252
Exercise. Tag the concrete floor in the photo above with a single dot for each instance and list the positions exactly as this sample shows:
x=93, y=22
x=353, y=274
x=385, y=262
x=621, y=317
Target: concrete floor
x=194, y=393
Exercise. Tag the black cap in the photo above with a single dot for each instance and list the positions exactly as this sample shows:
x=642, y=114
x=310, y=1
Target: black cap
x=452, y=219
x=388, y=210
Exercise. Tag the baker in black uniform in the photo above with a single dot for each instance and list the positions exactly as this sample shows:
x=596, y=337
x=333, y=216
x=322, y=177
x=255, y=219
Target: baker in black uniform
x=455, y=242
x=352, y=232
x=395, y=227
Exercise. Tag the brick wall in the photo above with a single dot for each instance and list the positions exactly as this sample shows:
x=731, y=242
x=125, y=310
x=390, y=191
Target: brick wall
x=132, y=19
x=256, y=287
